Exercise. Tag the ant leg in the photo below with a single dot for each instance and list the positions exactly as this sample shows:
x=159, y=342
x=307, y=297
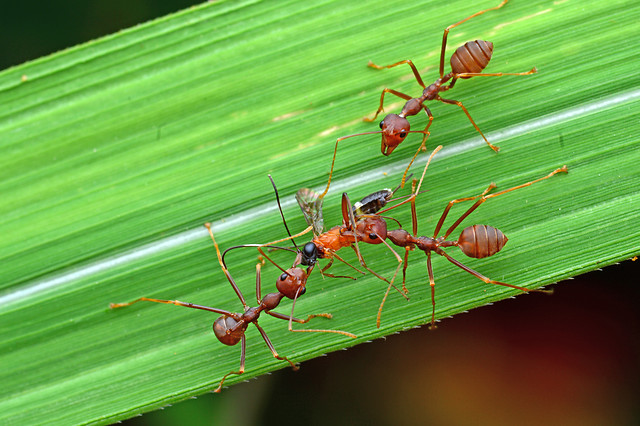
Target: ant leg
x=497, y=74
x=263, y=254
x=386, y=293
x=488, y=280
x=406, y=61
x=272, y=349
x=324, y=274
x=404, y=269
x=450, y=27
x=452, y=102
x=299, y=234
x=381, y=107
x=384, y=299
x=349, y=220
x=413, y=196
x=259, y=266
x=298, y=320
x=243, y=351
x=327, y=266
x=335, y=150
x=484, y=197
x=423, y=145
x=292, y=319
x=363, y=263
x=174, y=302
x=432, y=284
x=459, y=200
x=562, y=169
x=224, y=267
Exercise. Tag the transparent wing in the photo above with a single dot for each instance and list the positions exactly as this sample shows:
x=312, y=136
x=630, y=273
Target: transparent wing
x=311, y=205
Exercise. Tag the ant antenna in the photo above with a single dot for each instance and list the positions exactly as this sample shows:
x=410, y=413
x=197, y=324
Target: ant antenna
x=224, y=253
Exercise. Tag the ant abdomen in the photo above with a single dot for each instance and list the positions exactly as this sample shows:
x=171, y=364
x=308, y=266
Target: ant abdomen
x=479, y=241
x=221, y=328
x=471, y=57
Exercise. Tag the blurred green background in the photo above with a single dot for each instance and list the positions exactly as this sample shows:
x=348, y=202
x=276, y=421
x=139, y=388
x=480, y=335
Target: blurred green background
x=571, y=358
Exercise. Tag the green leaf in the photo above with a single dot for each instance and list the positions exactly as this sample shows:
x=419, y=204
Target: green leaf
x=115, y=152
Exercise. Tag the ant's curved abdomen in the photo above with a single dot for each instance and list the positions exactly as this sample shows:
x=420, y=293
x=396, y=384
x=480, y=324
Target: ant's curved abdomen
x=471, y=57
x=479, y=241
x=224, y=330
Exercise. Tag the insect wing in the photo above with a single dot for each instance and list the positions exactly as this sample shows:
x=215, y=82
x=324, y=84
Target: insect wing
x=311, y=205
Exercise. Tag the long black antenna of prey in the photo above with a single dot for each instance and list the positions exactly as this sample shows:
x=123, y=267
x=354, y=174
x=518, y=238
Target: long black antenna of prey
x=282, y=214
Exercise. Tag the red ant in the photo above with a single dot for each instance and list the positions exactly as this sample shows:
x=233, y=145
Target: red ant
x=477, y=241
x=466, y=62
x=230, y=328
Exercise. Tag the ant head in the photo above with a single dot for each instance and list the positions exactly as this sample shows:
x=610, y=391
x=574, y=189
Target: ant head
x=223, y=329
x=394, y=130
x=372, y=230
x=309, y=254
x=291, y=282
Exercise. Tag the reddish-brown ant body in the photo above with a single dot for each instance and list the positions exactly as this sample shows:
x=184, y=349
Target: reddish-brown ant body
x=477, y=241
x=230, y=327
x=466, y=62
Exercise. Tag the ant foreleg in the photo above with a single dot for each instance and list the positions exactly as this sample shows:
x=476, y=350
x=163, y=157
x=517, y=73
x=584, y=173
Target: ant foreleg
x=422, y=147
x=381, y=107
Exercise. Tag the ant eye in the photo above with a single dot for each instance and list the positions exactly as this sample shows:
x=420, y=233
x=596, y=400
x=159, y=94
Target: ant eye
x=373, y=236
x=283, y=276
x=303, y=290
x=403, y=134
x=382, y=124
